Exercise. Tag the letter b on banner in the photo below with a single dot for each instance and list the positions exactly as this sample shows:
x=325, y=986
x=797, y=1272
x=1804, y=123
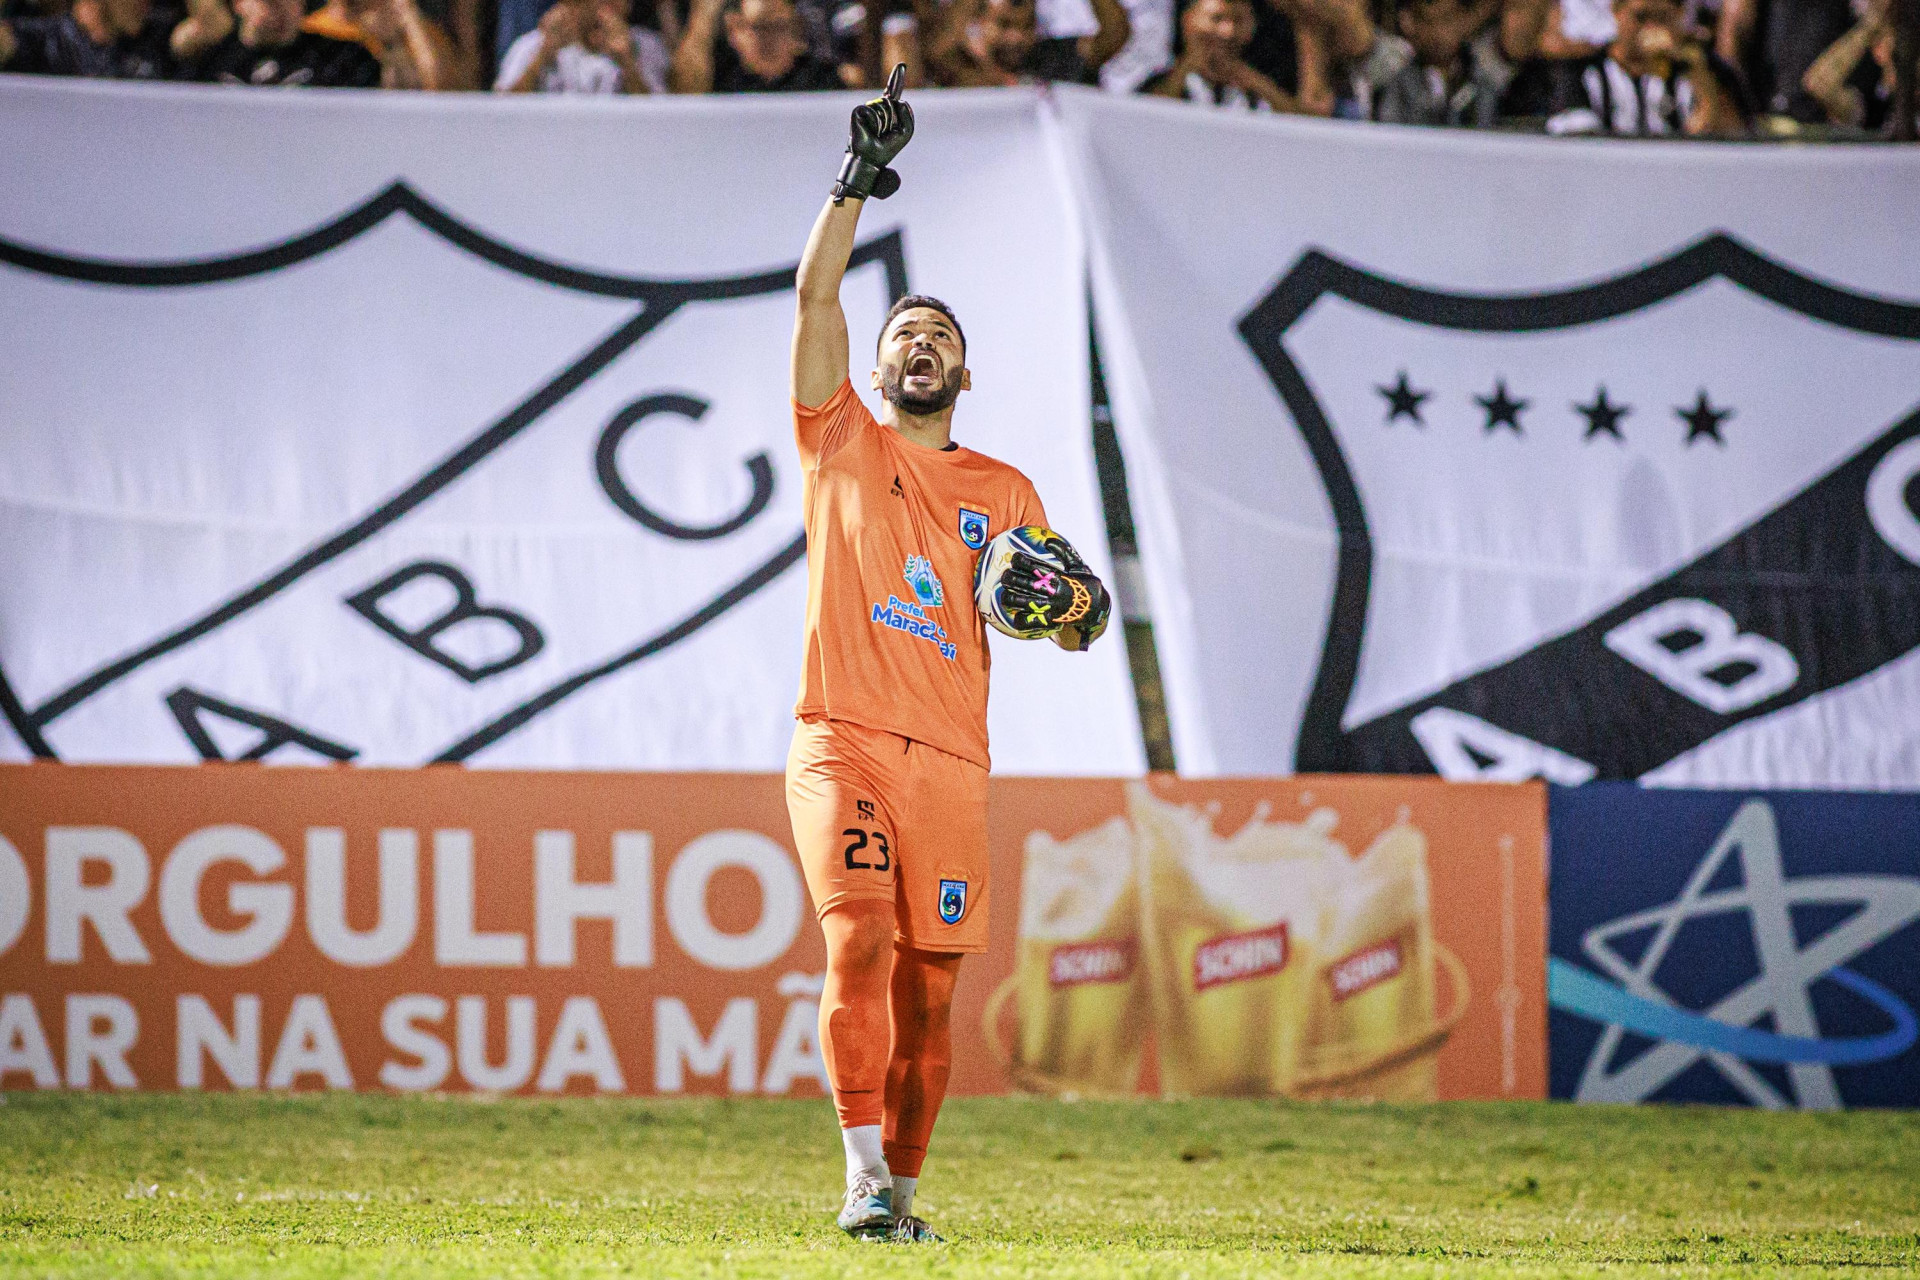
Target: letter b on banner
x=463, y=628
x=1696, y=649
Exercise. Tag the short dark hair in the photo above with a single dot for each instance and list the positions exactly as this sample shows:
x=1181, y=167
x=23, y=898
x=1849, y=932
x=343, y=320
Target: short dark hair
x=914, y=302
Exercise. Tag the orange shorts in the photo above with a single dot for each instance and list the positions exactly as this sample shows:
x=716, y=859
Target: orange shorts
x=880, y=817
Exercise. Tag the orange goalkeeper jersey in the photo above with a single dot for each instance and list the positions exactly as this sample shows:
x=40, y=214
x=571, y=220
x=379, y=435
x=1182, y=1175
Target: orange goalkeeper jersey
x=893, y=639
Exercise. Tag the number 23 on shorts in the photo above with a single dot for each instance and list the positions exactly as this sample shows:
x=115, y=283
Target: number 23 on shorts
x=858, y=850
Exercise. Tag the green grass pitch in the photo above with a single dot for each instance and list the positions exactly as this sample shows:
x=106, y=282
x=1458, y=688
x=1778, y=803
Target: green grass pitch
x=227, y=1185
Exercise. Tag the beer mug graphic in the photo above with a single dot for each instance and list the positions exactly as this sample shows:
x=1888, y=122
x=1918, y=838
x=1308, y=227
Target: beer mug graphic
x=1374, y=1029
x=1076, y=990
x=1230, y=932
x=1278, y=964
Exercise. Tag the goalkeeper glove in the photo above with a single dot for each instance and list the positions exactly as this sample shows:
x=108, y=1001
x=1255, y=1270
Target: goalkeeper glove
x=1070, y=600
x=879, y=131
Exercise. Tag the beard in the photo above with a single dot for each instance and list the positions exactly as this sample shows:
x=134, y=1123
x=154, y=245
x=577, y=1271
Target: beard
x=893, y=387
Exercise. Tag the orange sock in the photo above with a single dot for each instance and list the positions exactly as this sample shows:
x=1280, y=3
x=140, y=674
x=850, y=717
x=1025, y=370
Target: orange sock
x=922, y=1002
x=853, y=1008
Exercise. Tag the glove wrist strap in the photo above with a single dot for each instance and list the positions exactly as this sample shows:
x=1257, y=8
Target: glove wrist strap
x=863, y=179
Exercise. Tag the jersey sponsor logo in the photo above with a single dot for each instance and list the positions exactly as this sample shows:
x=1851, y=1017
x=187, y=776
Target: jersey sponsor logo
x=1089, y=962
x=896, y=614
x=973, y=528
x=925, y=582
x=1236, y=957
x=1582, y=391
x=953, y=900
x=1365, y=968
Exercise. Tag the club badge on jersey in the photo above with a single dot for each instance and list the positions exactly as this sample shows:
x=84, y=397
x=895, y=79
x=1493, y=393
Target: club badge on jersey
x=953, y=900
x=973, y=528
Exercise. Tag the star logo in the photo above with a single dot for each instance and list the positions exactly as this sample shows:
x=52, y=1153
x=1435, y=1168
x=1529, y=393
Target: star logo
x=1771, y=1018
x=1403, y=401
x=1502, y=410
x=1602, y=415
x=1703, y=420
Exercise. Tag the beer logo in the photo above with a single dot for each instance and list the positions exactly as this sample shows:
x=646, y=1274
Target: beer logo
x=953, y=900
x=1365, y=968
x=1712, y=565
x=973, y=528
x=1235, y=957
x=563, y=398
x=1085, y=962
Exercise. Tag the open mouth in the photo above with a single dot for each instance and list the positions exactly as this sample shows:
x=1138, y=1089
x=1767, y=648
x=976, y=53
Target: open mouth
x=922, y=364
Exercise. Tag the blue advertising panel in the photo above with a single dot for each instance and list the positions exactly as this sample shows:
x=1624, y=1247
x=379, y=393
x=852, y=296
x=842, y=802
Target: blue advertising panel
x=1749, y=947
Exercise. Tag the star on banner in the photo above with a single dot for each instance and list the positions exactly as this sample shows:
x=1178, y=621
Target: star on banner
x=1501, y=410
x=1403, y=401
x=1703, y=419
x=1603, y=416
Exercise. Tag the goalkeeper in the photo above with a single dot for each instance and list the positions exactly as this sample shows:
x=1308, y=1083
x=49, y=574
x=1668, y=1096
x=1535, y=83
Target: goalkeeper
x=887, y=778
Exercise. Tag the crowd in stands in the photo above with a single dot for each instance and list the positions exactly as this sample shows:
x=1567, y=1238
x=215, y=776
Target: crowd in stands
x=1637, y=67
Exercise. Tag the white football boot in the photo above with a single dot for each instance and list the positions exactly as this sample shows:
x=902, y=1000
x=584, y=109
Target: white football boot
x=868, y=1212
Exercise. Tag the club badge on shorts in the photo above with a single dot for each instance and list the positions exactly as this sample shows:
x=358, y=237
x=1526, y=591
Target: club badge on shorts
x=953, y=900
x=973, y=528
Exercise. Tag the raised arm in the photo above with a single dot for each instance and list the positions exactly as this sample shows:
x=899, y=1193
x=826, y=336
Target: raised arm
x=692, y=69
x=820, y=327
x=1826, y=80
x=206, y=25
x=1116, y=28
x=1715, y=110
x=879, y=130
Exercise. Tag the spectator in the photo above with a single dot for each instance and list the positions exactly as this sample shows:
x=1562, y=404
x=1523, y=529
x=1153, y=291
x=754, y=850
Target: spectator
x=585, y=46
x=261, y=43
x=414, y=50
x=117, y=39
x=1291, y=53
x=997, y=42
x=1774, y=42
x=768, y=54
x=1149, y=49
x=1209, y=63
x=1652, y=79
x=1456, y=65
x=1851, y=89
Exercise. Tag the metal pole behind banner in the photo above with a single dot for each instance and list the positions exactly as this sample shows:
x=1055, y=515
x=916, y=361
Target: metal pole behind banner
x=1143, y=659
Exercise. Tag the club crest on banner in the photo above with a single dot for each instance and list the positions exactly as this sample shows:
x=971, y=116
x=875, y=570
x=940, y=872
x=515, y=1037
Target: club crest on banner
x=1697, y=554
x=450, y=641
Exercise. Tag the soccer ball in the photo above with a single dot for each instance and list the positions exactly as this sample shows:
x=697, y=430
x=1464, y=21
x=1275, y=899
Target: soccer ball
x=1043, y=545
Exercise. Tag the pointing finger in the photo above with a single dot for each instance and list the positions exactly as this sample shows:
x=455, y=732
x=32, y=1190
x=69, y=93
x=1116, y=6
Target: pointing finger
x=896, y=82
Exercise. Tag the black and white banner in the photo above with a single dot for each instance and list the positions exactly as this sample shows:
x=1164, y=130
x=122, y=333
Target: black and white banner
x=1504, y=457
x=398, y=429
